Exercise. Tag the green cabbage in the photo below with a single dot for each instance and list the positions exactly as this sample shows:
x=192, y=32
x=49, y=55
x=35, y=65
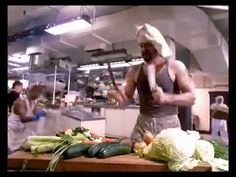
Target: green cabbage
x=171, y=144
x=204, y=151
x=183, y=150
x=174, y=146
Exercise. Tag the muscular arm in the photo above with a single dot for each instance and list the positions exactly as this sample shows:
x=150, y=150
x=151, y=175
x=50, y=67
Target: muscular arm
x=186, y=86
x=20, y=110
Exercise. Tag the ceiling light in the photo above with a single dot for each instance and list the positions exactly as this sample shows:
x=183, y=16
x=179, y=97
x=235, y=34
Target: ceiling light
x=91, y=67
x=136, y=61
x=13, y=64
x=217, y=7
x=118, y=64
x=18, y=54
x=20, y=69
x=21, y=59
x=79, y=23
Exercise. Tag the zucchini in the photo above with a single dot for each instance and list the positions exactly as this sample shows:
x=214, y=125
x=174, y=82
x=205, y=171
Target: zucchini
x=76, y=150
x=114, y=149
x=94, y=149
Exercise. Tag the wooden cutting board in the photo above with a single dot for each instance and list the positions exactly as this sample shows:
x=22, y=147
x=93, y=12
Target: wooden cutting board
x=128, y=162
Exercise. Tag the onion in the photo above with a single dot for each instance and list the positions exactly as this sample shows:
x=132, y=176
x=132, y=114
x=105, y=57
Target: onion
x=140, y=145
x=148, y=137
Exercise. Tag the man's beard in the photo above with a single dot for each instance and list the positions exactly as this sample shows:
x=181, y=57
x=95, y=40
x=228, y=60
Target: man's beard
x=147, y=57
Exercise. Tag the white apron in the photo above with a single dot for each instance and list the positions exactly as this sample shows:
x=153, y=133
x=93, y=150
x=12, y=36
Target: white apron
x=219, y=125
x=17, y=131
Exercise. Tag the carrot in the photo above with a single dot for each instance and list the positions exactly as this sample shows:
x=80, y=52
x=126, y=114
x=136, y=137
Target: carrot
x=89, y=142
x=107, y=140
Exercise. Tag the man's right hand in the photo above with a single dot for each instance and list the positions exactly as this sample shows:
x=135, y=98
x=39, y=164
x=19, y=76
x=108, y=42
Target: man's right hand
x=118, y=95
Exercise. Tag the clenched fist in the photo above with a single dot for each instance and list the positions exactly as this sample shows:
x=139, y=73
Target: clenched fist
x=118, y=95
x=159, y=96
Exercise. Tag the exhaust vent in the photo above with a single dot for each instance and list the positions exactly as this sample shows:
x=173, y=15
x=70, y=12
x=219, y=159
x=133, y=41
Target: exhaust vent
x=98, y=47
x=111, y=54
x=35, y=50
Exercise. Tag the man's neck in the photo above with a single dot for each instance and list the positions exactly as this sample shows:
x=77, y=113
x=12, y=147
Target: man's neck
x=158, y=61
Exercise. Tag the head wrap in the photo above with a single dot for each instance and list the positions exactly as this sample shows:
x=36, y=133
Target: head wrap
x=148, y=33
x=219, y=99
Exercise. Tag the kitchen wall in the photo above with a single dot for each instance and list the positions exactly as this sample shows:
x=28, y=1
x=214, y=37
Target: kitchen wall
x=204, y=83
x=202, y=106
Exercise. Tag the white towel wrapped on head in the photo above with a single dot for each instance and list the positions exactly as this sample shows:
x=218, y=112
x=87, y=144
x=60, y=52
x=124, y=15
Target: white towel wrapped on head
x=148, y=33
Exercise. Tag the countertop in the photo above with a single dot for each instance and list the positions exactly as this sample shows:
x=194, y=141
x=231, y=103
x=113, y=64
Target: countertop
x=102, y=105
x=128, y=162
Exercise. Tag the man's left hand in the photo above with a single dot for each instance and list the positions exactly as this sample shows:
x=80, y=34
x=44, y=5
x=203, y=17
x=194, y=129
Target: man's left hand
x=159, y=96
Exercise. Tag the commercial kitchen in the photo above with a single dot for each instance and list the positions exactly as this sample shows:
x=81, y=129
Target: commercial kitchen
x=79, y=55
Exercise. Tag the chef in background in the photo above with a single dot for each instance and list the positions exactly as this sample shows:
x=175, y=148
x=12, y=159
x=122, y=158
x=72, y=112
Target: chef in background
x=23, y=110
x=162, y=85
x=219, y=124
x=17, y=87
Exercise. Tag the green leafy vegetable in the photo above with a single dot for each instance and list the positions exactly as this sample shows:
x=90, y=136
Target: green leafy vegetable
x=220, y=151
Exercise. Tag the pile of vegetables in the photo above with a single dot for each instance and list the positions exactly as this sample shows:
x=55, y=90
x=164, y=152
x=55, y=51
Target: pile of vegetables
x=220, y=151
x=182, y=150
x=65, y=144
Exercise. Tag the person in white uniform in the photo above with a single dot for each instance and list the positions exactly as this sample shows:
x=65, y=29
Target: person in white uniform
x=23, y=110
x=219, y=124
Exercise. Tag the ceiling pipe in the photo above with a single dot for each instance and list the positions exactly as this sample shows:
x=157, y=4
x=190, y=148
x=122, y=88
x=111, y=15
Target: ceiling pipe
x=101, y=38
x=43, y=44
x=67, y=43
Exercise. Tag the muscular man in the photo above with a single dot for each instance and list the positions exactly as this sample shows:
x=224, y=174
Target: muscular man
x=162, y=85
x=23, y=110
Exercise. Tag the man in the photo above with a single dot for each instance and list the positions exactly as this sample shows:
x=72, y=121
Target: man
x=162, y=85
x=14, y=94
x=23, y=110
x=218, y=122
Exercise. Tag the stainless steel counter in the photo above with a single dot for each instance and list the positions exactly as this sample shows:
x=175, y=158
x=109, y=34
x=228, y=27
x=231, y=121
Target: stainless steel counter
x=99, y=105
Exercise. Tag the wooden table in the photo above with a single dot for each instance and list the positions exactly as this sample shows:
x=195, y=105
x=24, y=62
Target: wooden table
x=128, y=162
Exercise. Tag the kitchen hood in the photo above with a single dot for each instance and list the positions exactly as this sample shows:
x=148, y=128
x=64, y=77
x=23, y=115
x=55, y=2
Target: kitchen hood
x=105, y=55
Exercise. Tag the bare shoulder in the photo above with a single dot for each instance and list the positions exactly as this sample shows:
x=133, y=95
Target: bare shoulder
x=135, y=68
x=133, y=73
x=177, y=65
x=19, y=106
x=19, y=102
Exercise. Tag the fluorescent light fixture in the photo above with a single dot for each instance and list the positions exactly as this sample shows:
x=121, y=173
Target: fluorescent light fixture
x=13, y=64
x=18, y=54
x=136, y=61
x=119, y=64
x=217, y=7
x=20, y=69
x=73, y=25
x=92, y=67
x=21, y=59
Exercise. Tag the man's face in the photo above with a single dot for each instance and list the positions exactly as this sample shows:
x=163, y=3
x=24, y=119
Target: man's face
x=148, y=51
x=18, y=88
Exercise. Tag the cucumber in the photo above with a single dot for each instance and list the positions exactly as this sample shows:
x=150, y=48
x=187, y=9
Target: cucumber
x=76, y=150
x=94, y=149
x=114, y=149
